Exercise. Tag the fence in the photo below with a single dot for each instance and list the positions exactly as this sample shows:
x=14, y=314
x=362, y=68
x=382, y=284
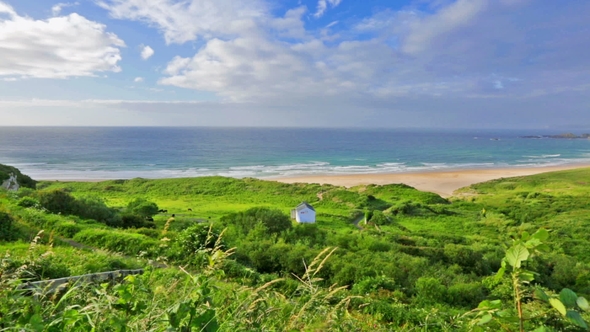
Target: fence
x=56, y=285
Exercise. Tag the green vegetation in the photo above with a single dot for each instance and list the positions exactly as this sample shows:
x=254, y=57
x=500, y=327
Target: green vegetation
x=23, y=180
x=509, y=254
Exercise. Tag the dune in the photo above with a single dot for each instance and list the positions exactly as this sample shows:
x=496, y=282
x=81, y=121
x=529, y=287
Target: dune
x=444, y=183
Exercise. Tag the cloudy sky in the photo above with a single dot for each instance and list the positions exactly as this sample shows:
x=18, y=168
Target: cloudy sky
x=321, y=63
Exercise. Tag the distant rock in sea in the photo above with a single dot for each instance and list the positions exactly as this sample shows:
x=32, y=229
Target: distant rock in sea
x=565, y=135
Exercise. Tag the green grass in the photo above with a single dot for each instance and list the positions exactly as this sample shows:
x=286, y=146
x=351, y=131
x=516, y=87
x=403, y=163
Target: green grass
x=45, y=262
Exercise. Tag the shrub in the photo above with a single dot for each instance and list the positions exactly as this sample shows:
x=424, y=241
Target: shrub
x=430, y=290
x=379, y=218
x=309, y=234
x=5, y=227
x=58, y=201
x=155, y=234
x=28, y=202
x=466, y=295
x=373, y=284
x=273, y=219
x=405, y=207
x=119, y=241
x=24, y=192
x=67, y=228
x=198, y=237
x=95, y=208
x=142, y=207
x=135, y=221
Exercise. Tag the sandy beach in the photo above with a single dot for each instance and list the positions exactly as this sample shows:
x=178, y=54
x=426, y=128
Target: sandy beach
x=443, y=183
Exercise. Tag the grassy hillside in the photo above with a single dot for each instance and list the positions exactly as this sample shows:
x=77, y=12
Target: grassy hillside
x=420, y=263
x=559, y=201
x=23, y=180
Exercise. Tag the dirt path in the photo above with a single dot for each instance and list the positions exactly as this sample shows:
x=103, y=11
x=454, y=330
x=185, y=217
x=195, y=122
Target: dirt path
x=358, y=220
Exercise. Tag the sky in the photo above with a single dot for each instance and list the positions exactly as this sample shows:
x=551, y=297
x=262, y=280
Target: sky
x=296, y=63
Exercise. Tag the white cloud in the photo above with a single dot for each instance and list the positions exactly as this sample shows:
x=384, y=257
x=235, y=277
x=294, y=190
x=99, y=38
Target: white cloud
x=56, y=9
x=191, y=19
x=291, y=25
x=424, y=30
x=146, y=52
x=455, y=49
x=57, y=47
x=449, y=52
x=4, y=8
x=138, y=79
x=332, y=24
x=323, y=6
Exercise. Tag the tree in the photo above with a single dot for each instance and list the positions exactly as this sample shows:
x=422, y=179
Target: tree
x=142, y=207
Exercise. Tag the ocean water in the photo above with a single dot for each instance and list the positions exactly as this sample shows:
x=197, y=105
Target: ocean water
x=160, y=152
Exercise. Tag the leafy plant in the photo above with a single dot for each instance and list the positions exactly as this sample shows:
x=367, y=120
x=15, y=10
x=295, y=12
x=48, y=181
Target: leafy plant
x=521, y=252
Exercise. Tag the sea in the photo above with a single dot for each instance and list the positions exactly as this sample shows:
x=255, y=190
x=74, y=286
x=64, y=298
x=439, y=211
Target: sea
x=66, y=153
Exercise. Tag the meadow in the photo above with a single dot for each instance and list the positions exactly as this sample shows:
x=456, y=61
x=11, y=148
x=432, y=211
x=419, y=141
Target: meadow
x=509, y=254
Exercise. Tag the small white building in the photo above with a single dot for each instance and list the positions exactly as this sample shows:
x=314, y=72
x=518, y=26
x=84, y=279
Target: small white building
x=303, y=213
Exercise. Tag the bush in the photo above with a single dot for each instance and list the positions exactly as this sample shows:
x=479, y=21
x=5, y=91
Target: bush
x=155, y=234
x=379, y=218
x=135, y=221
x=58, y=201
x=273, y=219
x=95, y=208
x=24, y=192
x=198, y=237
x=119, y=241
x=466, y=295
x=430, y=291
x=373, y=284
x=28, y=202
x=142, y=207
x=5, y=227
x=309, y=234
x=67, y=228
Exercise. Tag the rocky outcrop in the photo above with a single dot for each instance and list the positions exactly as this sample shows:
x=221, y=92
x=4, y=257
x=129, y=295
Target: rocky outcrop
x=12, y=179
x=12, y=183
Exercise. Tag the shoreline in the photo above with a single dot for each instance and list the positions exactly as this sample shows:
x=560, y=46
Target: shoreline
x=441, y=182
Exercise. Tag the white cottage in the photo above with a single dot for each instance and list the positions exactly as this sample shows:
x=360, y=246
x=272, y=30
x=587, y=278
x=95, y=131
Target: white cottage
x=303, y=213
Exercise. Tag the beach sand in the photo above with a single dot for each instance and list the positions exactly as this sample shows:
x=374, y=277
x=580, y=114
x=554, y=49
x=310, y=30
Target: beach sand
x=443, y=183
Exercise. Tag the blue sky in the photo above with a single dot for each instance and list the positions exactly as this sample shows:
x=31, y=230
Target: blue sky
x=321, y=63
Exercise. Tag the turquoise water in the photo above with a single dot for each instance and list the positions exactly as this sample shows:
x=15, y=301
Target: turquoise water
x=119, y=153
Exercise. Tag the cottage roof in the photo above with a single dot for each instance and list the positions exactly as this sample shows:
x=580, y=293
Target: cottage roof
x=304, y=205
